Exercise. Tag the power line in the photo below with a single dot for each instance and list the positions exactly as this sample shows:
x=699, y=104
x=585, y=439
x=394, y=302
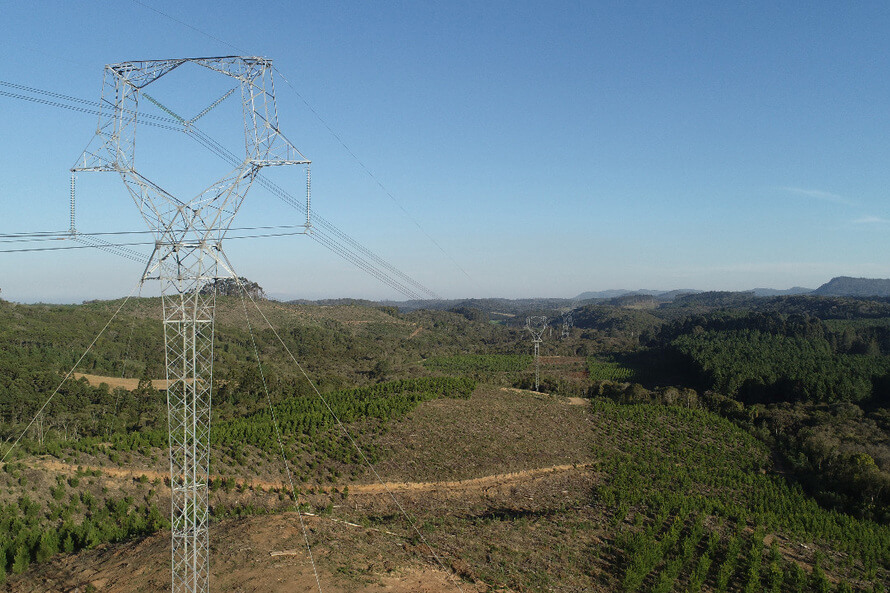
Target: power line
x=371, y=175
x=326, y=126
x=89, y=107
x=355, y=445
x=69, y=373
x=290, y=478
x=112, y=248
x=359, y=255
x=67, y=247
x=188, y=26
x=358, y=259
x=324, y=232
x=56, y=235
x=79, y=236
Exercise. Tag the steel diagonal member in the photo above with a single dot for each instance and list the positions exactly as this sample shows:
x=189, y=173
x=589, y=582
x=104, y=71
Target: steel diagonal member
x=187, y=257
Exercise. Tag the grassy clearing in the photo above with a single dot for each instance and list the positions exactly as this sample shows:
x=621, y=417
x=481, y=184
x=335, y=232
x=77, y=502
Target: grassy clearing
x=495, y=431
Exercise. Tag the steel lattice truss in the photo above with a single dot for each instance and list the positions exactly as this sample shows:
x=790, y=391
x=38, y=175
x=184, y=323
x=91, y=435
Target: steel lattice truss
x=567, y=322
x=187, y=256
x=536, y=326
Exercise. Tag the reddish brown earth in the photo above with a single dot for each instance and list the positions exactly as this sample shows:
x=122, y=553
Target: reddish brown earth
x=242, y=560
x=454, y=486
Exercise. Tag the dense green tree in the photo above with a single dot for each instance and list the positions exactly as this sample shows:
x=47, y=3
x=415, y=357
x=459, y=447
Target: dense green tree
x=22, y=557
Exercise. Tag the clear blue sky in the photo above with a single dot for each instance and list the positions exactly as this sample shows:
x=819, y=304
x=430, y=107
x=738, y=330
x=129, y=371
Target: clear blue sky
x=549, y=150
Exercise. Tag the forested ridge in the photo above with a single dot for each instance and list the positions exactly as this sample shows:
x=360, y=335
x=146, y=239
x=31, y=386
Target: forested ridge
x=755, y=366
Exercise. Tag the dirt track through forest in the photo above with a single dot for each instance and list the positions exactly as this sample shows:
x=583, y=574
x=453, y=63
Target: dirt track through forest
x=468, y=485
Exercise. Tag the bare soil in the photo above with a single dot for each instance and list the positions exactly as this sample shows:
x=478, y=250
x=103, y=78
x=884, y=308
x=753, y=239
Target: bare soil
x=473, y=484
x=246, y=556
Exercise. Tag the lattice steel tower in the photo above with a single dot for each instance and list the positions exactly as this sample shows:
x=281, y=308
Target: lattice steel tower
x=568, y=321
x=536, y=325
x=188, y=254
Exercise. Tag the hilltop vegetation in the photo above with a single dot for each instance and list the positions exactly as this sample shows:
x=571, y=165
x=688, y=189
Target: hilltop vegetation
x=724, y=432
x=855, y=287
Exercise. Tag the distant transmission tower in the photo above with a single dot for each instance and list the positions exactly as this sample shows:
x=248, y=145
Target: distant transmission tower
x=568, y=321
x=536, y=325
x=188, y=255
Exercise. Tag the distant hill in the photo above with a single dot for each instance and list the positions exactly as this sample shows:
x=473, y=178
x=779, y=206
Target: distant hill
x=670, y=295
x=661, y=295
x=634, y=301
x=498, y=308
x=602, y=294
x=794, y=291
x=714, y=298
x=855, y=287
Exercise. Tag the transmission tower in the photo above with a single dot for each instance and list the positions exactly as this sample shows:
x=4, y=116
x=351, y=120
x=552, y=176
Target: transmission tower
x=188, y=254
x=567, y=322
x=536, y=325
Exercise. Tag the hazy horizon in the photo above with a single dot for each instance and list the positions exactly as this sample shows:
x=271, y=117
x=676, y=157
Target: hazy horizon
x=294, y=297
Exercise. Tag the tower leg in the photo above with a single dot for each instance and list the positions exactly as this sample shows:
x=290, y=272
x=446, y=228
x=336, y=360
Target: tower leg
x=188, y=333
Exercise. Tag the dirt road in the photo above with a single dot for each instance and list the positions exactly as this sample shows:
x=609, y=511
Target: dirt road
x=468, y=485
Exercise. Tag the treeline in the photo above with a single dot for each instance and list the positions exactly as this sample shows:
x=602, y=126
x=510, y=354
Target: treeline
x=339, y=347
x=823, y=307
x=792, y=379
x=765, y=367
x=794, y=325
x=846, y=336
x=615, y=320
x=73, y=519
x=53, y=337
x=76, y=412
x=677, y=550
x=608, y=370
x=772, y=356
x=837, y=452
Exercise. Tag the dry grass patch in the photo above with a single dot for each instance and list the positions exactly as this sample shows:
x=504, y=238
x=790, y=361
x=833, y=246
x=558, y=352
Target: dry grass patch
x=493, y=432
x=115, y=382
